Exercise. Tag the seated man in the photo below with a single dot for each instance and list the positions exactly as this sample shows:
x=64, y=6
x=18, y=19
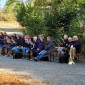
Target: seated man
x=70, y=42
x=40, y=47
x=77, y=44
x=48, y=49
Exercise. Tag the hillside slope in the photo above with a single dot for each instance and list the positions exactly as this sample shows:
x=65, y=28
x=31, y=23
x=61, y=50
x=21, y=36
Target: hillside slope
x=11, y=25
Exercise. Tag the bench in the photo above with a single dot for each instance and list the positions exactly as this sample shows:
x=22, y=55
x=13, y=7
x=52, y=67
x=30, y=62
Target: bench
x=52, y=56
x=78, y=56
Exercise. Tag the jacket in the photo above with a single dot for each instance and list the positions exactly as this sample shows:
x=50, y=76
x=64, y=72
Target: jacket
x=50, y=47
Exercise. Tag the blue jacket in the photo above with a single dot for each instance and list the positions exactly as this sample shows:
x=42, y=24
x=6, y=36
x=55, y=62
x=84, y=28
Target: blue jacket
x=38, y=41
x=77, y=45
x=41, y=45
x=50, y=47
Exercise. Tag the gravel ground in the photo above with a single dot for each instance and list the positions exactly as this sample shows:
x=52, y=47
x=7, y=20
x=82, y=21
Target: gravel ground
x=57, y=74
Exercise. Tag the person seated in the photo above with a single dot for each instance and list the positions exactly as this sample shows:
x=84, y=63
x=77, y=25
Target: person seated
x=40, y=47
x=16, y=49
x=22, y=40
x=8, y=44
x=64, y=45
x=27, y=46
x=70, y=42
x=13, y=42
x=38, y=40
x=77, y=44
x=1, y=40
x=65, y=41
x=35, y=45
x=18, y=41
x=49, y=49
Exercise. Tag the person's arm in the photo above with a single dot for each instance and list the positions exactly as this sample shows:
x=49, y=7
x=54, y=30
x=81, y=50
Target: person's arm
x=49, y=46
x=77, y=43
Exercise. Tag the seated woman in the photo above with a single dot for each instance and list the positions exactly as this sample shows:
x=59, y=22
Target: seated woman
x=18, y=44
x=35, y=45
x=49, y=49
x=27, y=46
x=40, y=47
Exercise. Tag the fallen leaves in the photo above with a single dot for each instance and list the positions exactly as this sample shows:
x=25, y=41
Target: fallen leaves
x=6, y=78
x=12, y=79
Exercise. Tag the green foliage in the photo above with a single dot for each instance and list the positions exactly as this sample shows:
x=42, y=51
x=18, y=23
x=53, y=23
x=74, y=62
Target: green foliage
x=53, y=17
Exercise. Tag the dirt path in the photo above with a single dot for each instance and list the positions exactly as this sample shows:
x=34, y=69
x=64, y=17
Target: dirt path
x=48, y=73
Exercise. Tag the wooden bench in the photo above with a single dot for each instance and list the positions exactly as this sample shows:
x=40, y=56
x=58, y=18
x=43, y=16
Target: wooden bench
x=78, y=56
x=52, y=56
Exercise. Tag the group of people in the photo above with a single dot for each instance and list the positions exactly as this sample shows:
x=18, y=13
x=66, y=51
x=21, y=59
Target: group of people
x=68, y=42
x=23, y=44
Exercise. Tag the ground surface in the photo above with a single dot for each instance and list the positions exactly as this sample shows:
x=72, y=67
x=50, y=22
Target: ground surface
x=51, y=73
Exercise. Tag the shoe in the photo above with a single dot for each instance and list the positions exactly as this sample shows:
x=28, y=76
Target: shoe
x=35, y=59
x=23, y=57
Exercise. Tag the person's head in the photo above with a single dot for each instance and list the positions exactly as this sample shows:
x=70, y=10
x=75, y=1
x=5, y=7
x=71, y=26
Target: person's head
x=14, y=35
x=34, y=38
x=18, y=37
x=48, y=38
x=70, y=39
x=22, y=36
x=75, y=38
x=65, y=37
x=5, y=33
x=41, y=38
x=25, y=37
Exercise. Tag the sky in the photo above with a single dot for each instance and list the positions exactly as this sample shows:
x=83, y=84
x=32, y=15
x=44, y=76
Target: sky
x=2, y=3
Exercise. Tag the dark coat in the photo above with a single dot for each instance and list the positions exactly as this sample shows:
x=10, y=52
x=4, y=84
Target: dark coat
x=65, y=43
x=50, y=47
x=35, y=45
x=77, y=45
x=1, y=40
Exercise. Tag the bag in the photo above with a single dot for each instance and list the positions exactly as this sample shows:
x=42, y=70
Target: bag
x=17, y=55
x=4, y=51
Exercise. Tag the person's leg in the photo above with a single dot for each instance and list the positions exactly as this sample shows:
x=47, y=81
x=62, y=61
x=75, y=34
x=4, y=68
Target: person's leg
x=59, y=51
x=1, y=45
x=41, y=55
x=24, y=51
x=15, y=49
x=35, y=52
